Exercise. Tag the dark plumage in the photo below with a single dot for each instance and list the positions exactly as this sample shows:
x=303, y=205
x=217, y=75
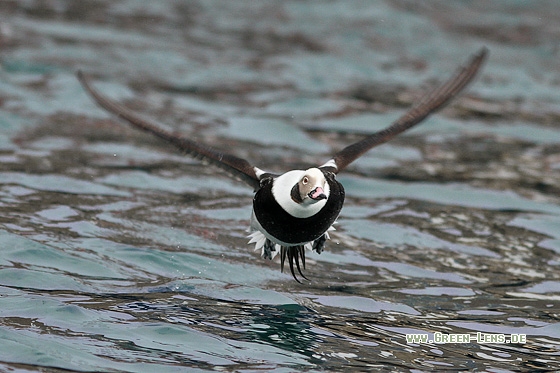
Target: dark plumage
x=294, y=211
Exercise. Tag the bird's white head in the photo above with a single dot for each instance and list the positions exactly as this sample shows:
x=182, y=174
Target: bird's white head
x=301, y=193
x=310, y=188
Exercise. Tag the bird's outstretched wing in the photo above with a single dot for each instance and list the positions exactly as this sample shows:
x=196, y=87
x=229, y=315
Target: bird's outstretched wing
x=236, y=167
x=428, y=104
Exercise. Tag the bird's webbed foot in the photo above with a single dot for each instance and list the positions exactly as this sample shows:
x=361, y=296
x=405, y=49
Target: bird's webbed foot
x=319, y=244
x=268, y=249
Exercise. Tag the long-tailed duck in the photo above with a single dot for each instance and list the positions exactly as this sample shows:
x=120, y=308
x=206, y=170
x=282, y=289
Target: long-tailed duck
x=294, y=212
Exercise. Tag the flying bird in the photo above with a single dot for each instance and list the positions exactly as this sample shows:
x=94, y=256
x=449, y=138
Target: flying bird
x=294, y=211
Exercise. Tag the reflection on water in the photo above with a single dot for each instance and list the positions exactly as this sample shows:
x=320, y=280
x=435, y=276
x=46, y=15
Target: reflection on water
x=118, y=254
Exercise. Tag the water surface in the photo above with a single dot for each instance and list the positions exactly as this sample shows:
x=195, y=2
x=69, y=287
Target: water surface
x=120, y=254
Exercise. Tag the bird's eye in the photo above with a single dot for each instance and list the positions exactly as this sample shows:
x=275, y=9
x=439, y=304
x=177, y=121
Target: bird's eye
x=305, y=180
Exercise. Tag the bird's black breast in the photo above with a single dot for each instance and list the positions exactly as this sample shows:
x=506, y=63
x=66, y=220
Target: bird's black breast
x=289, y=229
